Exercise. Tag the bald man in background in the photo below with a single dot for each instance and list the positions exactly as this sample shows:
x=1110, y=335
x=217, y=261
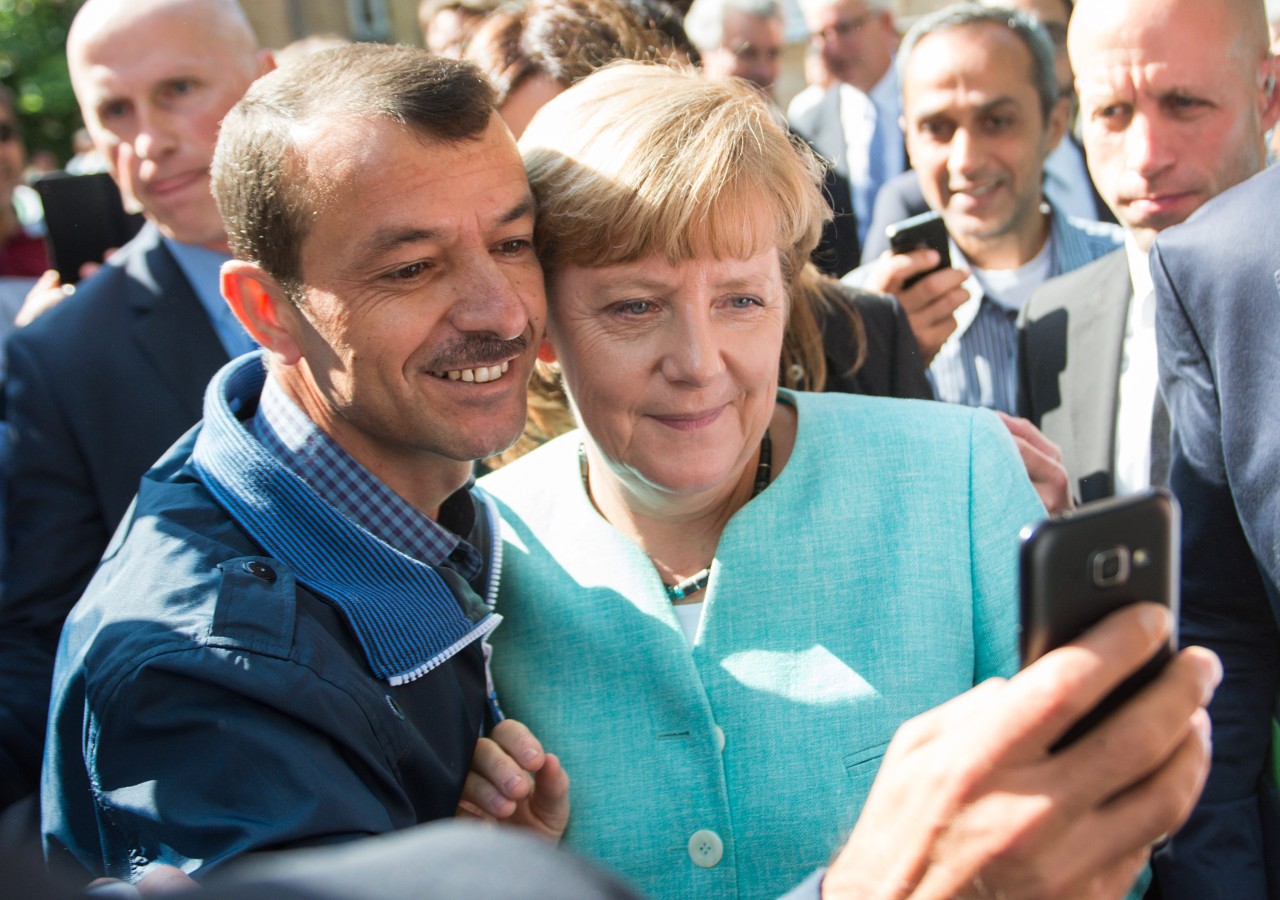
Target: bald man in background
x=1176, y=97
x=101, y=385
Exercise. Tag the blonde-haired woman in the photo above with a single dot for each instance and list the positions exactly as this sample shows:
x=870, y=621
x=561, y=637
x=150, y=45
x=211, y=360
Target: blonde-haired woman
x=722, y=597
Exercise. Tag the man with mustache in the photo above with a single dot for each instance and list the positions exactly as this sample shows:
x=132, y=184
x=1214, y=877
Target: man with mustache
x=285, y=644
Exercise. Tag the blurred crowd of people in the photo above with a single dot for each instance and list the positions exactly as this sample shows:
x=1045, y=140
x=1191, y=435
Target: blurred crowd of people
x=732, y=609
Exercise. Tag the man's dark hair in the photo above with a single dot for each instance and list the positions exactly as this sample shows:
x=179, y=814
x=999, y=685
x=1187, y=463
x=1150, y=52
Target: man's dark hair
x=967, y=15
x=259, y=177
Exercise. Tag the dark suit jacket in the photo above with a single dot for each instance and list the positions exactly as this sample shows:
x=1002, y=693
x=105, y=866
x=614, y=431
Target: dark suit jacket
x=1070, y=346
x=98, y=389
x=890, y=365
x=838, y=250
x=1217, y=280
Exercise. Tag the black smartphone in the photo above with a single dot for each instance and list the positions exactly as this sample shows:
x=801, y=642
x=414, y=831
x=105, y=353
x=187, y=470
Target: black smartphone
x=1081, y=565
x=926, y=230
x=85, y=218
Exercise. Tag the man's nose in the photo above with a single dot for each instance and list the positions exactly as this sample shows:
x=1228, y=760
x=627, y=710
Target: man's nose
x=492, y=298
x=1148, y=145
x=154, y=138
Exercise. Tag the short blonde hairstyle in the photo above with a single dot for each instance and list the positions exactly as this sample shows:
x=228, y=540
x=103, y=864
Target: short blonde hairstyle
x=641, y=159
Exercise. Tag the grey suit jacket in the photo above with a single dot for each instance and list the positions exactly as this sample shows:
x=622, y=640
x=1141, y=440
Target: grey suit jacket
x=1070, y=346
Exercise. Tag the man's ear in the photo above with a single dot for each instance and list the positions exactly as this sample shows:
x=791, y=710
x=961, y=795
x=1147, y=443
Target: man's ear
x=263, y=308
x=1059, y=114
x=546, y=353
x=1270, y=92
x=266, y=61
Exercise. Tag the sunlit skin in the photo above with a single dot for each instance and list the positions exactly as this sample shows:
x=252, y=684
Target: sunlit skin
x=528, y=97
x=978, y=137
x=750, y=48
x=673, y=372
x=1173, y=105
x=153, y=82
x=418, y=267
x=857, y=43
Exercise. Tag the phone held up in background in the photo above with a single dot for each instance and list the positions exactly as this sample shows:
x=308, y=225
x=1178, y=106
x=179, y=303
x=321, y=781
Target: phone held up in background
x=1082, y=564
x=925, y=231
x=85, y=218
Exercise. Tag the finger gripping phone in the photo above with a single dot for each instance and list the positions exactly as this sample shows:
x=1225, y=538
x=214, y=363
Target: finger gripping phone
x=86, y=218
x=1081, y=565
x=925, y=231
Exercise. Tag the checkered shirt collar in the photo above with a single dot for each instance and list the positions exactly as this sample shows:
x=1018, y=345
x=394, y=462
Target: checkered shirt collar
x=301, y=446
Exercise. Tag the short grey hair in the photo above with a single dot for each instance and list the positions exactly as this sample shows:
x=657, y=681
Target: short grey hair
x=966, y=15
x=704, y=23
x=811, y=6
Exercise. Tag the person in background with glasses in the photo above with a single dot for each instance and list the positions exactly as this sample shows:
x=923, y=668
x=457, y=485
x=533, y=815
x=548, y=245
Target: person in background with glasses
x=854, y=123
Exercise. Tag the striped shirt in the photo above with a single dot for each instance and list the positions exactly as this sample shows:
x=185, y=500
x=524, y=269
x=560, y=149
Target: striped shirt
x=977, y=366
x=301, y=446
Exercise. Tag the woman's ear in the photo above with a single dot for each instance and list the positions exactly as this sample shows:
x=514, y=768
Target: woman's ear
x=263, y=308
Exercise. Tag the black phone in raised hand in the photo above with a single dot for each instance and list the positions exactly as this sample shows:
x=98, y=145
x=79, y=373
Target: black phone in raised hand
x=1079, y=566
x=926, y=230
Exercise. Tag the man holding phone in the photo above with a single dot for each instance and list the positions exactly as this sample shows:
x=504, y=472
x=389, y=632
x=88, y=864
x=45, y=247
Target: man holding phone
x=102, y=384
x=980, y=103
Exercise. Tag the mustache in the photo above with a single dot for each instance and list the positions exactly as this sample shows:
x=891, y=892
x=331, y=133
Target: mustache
x=474, y=352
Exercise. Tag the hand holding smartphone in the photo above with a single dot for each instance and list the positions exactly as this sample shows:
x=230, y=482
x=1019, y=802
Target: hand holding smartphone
x=85, y=218
x=1081, y=565
x=925, y=231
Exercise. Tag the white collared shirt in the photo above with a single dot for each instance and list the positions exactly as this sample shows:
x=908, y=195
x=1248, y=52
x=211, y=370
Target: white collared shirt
x=1139, y=378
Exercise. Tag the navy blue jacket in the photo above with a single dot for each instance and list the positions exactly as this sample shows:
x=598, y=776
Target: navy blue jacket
x=98, y=388
x=1217, y=279
x=207, y=704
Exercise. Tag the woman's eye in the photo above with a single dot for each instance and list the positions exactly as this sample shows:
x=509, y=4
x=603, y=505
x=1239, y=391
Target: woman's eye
x=635, y=307
x=744, y=301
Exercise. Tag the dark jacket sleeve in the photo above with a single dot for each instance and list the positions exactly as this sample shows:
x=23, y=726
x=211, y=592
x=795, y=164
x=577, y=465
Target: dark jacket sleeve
x=1225, y=603
x=891, y=365
x=54, y=537
x=899, y=198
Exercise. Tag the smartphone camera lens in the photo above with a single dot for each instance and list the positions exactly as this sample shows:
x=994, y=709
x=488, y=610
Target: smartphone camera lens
x=1111, y=567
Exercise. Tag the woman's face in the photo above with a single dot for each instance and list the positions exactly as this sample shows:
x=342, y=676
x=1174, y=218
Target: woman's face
x=673, y=369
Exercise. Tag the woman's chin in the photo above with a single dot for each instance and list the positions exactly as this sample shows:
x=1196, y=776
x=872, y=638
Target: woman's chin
x=679, y=480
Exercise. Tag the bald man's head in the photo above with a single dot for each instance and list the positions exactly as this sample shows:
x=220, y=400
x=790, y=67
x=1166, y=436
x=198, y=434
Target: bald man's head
x=1175, y=99
x=153, y=79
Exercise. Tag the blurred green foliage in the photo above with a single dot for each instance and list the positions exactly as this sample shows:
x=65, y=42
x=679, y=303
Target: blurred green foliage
x=33, y=64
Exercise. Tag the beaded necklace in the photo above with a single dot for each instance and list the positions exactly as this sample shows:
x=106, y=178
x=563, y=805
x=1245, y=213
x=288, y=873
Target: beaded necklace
x=698, y=581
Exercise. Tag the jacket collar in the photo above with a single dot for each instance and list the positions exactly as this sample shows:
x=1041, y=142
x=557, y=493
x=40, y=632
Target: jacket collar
x=406, y=616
